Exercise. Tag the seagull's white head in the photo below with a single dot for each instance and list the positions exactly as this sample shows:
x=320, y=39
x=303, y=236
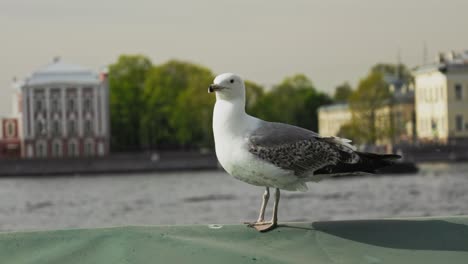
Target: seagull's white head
x=228, y=86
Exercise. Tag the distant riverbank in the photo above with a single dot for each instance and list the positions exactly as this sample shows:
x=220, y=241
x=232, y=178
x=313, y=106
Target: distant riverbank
x=119, y=163
x=115, y=163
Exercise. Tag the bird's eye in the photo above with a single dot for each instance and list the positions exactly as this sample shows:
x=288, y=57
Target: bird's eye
x=231, y=81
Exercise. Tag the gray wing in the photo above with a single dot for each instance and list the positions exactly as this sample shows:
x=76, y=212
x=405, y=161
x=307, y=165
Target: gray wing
x=297, y=149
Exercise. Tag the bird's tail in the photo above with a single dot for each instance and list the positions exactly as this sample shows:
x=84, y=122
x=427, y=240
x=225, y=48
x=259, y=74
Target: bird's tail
x=371, y=162
x=367, y=163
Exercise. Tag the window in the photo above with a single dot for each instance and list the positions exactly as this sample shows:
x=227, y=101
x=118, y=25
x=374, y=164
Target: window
x=55, y=105
x=11, y=129
x=88, y=127
x=41, y=150
x=89, y=149
x=459, y=123
x=72, y=149
x=40, y=128
x=458, y=92
x=71, y=105
x=87, y=104
x=38, y=105
x=56, y=128
x=72, y=127
x=57, y=149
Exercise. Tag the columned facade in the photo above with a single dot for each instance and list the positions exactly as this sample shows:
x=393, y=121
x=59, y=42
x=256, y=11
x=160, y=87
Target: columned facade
x=62, y=113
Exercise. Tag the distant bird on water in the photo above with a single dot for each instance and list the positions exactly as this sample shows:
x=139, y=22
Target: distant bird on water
x=276, y=155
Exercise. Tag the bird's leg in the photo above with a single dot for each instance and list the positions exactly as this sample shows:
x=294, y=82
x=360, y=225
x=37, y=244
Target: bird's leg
x=274, y=219
x=261, y=216
x=266, y=196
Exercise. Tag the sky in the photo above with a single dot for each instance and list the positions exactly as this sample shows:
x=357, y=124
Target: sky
x=264, y=41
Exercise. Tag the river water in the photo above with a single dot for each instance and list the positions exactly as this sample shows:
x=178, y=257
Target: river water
x=215, y=197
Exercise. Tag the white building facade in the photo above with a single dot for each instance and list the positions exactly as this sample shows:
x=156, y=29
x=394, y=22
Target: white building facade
x=64, y=112
x=332, y=117
x=442, y=99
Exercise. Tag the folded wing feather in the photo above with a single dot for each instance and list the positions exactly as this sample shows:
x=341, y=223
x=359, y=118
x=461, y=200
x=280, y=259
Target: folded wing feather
x=297, y=149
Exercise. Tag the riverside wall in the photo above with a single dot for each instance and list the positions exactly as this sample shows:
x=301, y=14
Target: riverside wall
x=189, y=161
x=433, y=153
x=115, y=163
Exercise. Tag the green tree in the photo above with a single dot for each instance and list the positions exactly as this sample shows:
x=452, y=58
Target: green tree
x=254, y=93
x=352, y=131
x=178, y=108
x=343, y=92
x=309, y=116
x=194, y=110
x=371, y=94
x=294, y=101
x=126, y=82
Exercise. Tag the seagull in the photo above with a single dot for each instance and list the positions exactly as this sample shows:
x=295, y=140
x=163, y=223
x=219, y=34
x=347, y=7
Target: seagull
x=277, y=155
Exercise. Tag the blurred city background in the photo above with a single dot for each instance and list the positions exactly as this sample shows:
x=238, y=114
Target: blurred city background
x=105, y=117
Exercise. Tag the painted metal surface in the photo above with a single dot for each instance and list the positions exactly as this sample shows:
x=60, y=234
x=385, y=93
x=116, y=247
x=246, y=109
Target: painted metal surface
x=417, y=240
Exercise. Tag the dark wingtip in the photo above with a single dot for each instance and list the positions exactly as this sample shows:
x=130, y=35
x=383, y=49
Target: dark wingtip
x=380, y=156
x=392, y=157
x=369, y=163
x=377, y=161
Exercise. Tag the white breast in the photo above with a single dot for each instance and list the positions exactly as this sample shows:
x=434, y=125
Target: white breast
x=231, y=129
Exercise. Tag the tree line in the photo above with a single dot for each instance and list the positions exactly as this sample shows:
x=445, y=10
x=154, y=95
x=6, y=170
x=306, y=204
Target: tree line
x=167, y=106
x=371, y=94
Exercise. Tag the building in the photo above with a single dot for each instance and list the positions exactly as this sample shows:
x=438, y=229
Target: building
x=397, y=116
x=64, y=112
x=442, y=99
x=332, y=117
x=10, y=143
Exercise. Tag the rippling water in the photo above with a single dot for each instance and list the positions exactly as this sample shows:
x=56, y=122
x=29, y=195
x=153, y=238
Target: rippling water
x=215, y=197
